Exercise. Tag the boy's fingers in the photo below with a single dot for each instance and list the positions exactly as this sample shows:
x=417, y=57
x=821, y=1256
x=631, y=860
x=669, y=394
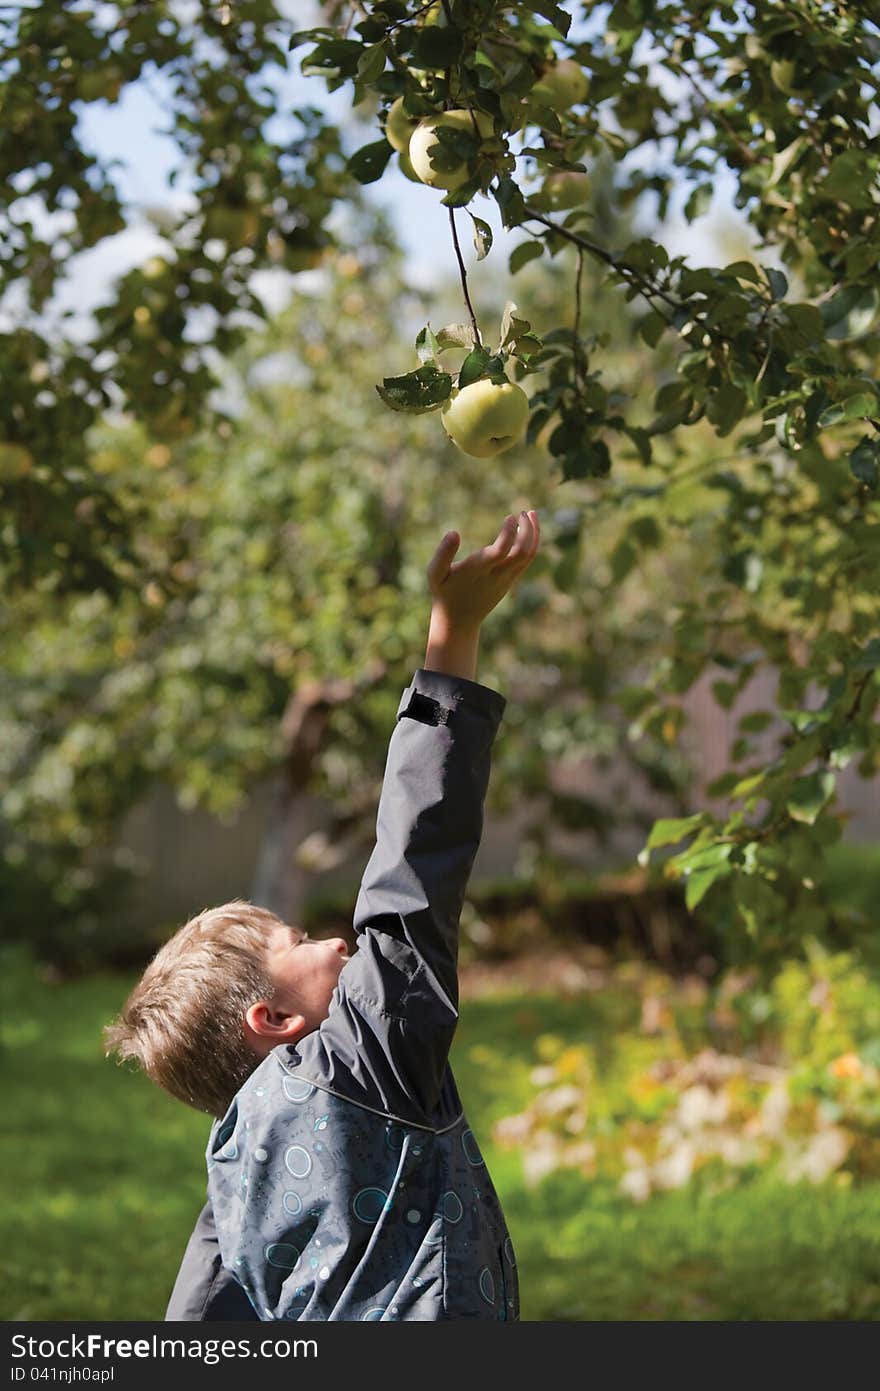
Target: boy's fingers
x=441, y=560
x=523, y=546
x=503, y=541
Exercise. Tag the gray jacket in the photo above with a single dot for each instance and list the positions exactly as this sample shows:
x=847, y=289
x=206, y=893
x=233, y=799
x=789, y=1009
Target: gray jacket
x=344, y=1182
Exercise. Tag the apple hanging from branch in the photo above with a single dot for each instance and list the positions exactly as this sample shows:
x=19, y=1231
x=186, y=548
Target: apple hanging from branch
x=561, y=86
x=482, y=411
x=487, y=417
x=399, y=126
x=434, y=153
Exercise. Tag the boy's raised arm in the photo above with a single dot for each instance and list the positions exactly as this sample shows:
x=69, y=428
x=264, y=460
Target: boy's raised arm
x=397, y=1004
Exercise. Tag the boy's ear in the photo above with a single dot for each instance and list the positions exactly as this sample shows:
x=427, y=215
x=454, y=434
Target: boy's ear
x=265, y=1021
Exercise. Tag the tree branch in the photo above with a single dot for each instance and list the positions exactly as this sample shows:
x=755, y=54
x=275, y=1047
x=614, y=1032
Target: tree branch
x=464, y=285
x=645, y=287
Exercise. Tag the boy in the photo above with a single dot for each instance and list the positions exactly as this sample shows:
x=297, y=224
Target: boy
x=343, y=1180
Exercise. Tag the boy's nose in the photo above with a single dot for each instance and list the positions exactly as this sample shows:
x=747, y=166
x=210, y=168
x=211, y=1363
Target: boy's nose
x=338, y=944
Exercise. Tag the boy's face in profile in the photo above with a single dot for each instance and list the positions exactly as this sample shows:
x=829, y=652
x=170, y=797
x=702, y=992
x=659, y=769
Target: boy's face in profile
x=305, y=975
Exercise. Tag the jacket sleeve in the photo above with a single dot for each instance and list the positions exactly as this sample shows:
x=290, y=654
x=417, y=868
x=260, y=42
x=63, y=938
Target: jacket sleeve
x=204, y=1290
x=396, y=1006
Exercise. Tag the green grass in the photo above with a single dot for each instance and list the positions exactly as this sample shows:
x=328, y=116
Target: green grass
x=104, y=1177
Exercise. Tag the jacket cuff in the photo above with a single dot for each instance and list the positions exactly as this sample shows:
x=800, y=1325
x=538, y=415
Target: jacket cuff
x=433, y=697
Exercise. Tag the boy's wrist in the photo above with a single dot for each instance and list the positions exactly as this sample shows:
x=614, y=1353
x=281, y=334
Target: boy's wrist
x=452, y=645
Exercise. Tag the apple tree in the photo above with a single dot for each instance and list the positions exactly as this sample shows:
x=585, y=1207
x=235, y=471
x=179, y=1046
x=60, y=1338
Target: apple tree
x=773, y=354
x=285, y=610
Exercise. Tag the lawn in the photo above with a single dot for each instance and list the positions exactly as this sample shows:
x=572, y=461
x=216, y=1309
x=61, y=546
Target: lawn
x=105, y=1176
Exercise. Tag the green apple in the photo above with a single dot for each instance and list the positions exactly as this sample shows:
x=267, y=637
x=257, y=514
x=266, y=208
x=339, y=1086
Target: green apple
x=562, y=86
x=486, y=418
x=399, y=126
x=406, y=168
x=424, y=142
x=564, y=188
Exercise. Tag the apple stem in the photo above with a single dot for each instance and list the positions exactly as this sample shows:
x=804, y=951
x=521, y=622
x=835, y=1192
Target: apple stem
x=478, y=342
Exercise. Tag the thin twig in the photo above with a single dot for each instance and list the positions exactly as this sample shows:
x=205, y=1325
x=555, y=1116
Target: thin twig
x=576, y=345
x=408, y=19
x=464, y=285
x=860, y=691
x=710, y=110
x=645, y=287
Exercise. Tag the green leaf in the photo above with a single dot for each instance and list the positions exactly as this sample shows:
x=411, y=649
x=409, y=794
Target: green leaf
x=777, y=281
x=699, y=884
x=417, y=392
x=522, y=254
x=456, y=336
x=622, y=559
x=726, y=407
x=474, y=366
x=698, y=203
x=851, y=177
x=725, y=693
x=744, y=270
x=333, y=58
x=809, y=795
x=427, y=345
x=482, y=237
x=368, y=163
x=461, y=196
x=434, y=48
x=850, y=313
x=527, y=346
x=755, y=722
x=669, y=831
x=301, y=36
x=748, y=784
x=864, y=461
x=512, y=328
x=858, y=407
x=646, y=532
x=642, y=441
x=652, y=328
x=590, y=459
x=511, y=203
x=371, y=63
x=547, y=10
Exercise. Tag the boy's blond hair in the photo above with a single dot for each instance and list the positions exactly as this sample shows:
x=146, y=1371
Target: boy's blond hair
x=184, y=1020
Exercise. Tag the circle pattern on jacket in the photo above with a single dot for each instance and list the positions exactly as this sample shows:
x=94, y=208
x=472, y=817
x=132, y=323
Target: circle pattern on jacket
x=370, y=1203
x=282, y=1255
x=451, y=1207
x=295, y=1089
x=471, y=1148
x=298, y=1161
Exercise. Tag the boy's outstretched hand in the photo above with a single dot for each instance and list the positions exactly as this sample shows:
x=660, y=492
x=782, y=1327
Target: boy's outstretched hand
x=465, y=592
